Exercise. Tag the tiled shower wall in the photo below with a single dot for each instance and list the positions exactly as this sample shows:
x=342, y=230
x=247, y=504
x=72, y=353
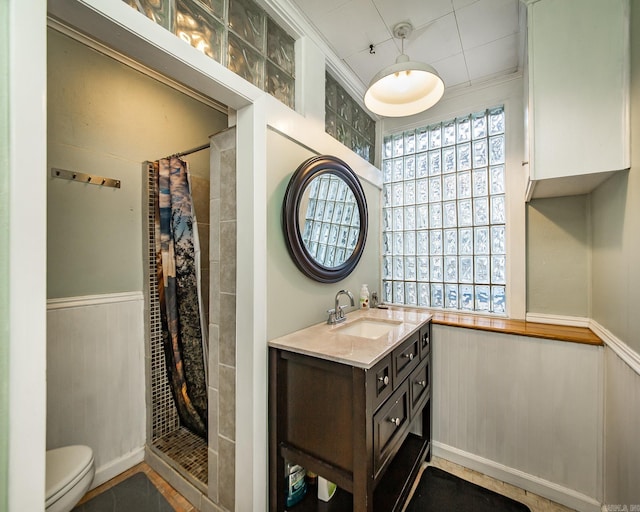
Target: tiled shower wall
x=164, y=417
x=222, y=318
x=179, y=447
x=217, y=232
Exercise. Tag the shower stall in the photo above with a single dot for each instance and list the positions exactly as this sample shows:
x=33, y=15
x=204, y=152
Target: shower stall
x=203, y=463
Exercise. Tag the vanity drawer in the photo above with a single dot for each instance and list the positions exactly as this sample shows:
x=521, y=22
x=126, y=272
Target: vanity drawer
x=420, y=385
x=425, y=340
x=390, y=424
x=405, y=358
x=379, y=379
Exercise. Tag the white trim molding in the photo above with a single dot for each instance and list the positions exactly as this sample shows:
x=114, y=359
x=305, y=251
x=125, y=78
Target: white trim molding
x=532, y=483
x=93, y=300
x=572, y=321
x=622, y=350
x=115, y=467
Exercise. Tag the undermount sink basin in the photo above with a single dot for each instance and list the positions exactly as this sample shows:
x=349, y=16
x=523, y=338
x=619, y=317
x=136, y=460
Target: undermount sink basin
x=368, y=328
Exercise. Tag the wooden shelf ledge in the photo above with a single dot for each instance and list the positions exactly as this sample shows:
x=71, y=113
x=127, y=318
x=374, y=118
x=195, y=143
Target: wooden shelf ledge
x=567, y=333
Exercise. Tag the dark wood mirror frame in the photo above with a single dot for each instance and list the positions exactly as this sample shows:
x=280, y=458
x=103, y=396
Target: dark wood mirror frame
x=302, y=177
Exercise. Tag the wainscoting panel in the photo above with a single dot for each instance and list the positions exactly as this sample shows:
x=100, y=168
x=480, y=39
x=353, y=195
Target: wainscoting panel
x=95, y=378
x=525, y=410
x=622, y=428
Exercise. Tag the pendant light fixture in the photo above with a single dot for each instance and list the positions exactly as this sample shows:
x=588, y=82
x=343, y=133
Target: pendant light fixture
x=406, y=87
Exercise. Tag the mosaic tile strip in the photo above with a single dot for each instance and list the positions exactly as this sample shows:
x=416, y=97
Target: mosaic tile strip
x=164, y=417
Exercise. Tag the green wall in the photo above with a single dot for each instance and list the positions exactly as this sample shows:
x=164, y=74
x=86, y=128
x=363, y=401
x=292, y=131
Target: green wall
x=616, y=228
x=295, y=301
x=582, y=251
x=4, y=253
x=558, y=248
x=105, y=119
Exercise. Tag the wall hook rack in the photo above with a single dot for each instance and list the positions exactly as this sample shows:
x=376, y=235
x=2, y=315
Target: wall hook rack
x=84, y=178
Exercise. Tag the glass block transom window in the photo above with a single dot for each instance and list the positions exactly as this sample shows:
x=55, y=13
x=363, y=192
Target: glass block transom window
x=347, y=122
x=236, y=33
x=444, y=216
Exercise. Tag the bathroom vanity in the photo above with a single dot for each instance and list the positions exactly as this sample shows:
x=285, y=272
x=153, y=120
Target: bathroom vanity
x=352, y=403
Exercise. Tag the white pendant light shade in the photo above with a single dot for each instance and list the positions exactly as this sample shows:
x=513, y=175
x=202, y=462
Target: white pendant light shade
x=404, y=88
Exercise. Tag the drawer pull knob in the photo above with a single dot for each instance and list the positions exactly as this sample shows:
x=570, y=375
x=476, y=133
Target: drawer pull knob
x=384, y=380
x=422, y=383
x=395, y=421
x=409, y=356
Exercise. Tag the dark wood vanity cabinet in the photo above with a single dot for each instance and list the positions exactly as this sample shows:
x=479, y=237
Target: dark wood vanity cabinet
x=367, y=430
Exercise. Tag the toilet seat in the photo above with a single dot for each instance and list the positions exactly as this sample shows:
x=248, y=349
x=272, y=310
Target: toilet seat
x=69, y=472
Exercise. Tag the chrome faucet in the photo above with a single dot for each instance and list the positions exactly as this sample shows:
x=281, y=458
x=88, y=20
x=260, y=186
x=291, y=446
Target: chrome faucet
x=336, y=315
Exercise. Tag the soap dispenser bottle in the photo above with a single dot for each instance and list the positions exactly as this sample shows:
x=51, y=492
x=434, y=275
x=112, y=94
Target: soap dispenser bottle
x=364, y=297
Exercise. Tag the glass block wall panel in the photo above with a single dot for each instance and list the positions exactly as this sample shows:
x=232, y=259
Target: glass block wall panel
x=216, y=7
x=347, y=122
x=245, y=61
x=160, y=11
x=280, y=53
x=247, y=20
x=280, y=85
x=237, y=33
x=444, y=214
x=280, y=47
x=198, y=27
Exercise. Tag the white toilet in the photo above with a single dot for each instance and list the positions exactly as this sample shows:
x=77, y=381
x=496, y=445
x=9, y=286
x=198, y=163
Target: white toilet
x=69, y=474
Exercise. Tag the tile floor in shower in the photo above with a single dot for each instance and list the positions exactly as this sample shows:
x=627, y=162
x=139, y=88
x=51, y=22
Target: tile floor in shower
x=185, y=450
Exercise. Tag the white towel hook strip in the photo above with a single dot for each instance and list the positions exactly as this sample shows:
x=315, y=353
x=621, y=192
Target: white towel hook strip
x=84, y=178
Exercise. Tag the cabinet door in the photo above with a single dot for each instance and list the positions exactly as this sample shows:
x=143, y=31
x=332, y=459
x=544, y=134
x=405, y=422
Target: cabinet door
x=425, y=340
x=578, y=68
x=390, y=424
x=420, y=386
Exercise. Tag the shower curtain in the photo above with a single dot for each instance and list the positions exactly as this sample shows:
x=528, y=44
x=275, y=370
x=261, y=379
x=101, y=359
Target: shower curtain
x=177, y=264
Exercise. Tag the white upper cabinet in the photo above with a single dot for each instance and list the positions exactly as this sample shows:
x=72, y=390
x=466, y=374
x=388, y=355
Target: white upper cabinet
x=578, y=94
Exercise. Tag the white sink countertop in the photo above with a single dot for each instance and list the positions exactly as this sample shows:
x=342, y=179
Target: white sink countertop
x=331, y=343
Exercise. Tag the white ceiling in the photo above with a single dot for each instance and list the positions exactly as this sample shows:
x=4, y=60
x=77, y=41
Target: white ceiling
x=467, y=41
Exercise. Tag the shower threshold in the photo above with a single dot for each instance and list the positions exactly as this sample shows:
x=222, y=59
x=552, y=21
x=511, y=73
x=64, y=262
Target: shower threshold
x=186, y=453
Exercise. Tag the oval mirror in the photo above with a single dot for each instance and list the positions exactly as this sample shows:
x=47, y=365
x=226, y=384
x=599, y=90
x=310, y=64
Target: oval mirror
x=324, y=216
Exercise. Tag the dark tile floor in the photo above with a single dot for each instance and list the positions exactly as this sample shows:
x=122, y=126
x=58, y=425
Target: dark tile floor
x=135, y=493
x=179, y=504
x=161, y=489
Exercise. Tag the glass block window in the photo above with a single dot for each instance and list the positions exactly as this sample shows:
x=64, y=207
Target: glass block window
x=237, y=33
x=347, y=122
x=332, y=221
x=444, y=215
